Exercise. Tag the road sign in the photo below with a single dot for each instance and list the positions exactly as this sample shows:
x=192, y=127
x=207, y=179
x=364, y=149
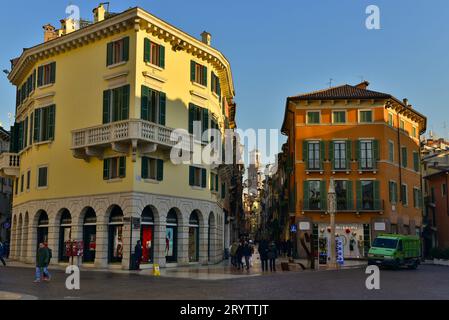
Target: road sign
x=339, y=249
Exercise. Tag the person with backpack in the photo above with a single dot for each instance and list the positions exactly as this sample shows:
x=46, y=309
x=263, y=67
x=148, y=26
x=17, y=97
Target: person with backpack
x=2, y=253
x=43, y=257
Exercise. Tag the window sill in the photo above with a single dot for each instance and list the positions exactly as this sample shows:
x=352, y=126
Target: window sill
x=152, y=181
x=45, y=86
x=320, y=171
x=199, y=85
x=197, y=188
x=215, y=95
x=115, y=180
x=118, y=64
x=154, y=66
x=42, y=188
x=40, y=143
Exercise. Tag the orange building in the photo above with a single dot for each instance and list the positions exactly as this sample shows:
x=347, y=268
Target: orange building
x=368, y=143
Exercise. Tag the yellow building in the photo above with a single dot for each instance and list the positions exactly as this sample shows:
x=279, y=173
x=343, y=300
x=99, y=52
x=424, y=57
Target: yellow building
x=91, y=152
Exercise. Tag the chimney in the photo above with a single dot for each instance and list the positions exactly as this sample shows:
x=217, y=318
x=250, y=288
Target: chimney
x=49, y=32
x=206, y=38
x=68, y=26
x=362, y=85
x=99, y=13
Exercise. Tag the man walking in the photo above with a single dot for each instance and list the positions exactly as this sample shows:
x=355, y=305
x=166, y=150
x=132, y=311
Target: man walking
x=247, y=254
x=2, y=253
x=272, y=255
x=42, y=261
x=138, y=254
x=233, y=250
x=263, y=253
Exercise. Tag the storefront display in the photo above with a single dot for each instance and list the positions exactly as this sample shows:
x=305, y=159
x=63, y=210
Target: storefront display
x=116, y=236
x=171, y=237
x=194, y=238
x=65, y=233
x=147, y=243
x=90, y=236
x=351, y=237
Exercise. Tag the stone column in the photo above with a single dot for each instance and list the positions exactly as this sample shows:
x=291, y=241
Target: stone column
x=128, y=247
x=12, y=247
x=213, y=244
x=159, y=235
x=32, y=244
x=101, y=251
x=183, y=244
x=53, y=242
x=203, y=245
x=23, y=243
x=76, y=235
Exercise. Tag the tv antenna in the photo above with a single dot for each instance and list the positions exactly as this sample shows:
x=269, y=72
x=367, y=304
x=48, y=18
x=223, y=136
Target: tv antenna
x=330, y=82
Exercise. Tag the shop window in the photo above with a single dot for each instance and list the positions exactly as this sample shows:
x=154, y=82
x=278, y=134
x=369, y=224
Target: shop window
x=171, y=236
x=90, y=235
x=116, y=235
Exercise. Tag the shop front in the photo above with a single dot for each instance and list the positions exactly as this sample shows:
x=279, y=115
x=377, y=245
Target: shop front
x=116, y=235
x=171, y=237
x=147, y=235
x=194, y=237
x=42, y=228
x=89, y=236
x=65, y=234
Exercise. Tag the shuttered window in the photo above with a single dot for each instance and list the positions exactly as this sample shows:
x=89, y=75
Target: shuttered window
x=416, y=161
x=313, y=117
x=116, y=104
x=314, y=196
x=44, y=124
x=114, y=168
x=404, y=157
x=365, y=116
x=197, y=177
x=417, y=198
x=153, y=106
x=213, y=182
x=215, y=84
x=42, y=177
x=117, y=51
x=198, y=122
x=404, y=194
x=368, y=154
x=368, y=195
x=339, y=117
x=393, y=192
x=313, y=154
x=152, y=169
x=339, y=154
x=154, y=53
x=46, y=74
x=198, y=73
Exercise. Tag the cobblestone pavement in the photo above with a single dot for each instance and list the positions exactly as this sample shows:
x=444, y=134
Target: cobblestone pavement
x=428, y=282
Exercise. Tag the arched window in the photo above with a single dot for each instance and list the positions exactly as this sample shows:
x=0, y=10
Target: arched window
x=171, y=236
x=194, y=237
x=116, y=235
x=89, y=235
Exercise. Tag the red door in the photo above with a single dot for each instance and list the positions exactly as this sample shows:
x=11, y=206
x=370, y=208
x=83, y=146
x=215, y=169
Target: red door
x=147, y=243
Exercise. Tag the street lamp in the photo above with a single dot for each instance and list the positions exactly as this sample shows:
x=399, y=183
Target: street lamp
x=332, y=208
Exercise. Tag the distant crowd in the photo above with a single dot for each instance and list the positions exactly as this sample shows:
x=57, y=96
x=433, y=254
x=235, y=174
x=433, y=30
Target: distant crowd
x=242, y=254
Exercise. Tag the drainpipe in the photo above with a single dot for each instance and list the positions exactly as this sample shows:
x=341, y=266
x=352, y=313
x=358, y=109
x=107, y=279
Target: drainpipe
x=295, y=244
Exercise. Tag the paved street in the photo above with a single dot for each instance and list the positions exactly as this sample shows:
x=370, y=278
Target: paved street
x=428, y=282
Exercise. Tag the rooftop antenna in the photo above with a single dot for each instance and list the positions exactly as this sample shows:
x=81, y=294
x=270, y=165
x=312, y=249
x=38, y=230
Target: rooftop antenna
x=330, y=82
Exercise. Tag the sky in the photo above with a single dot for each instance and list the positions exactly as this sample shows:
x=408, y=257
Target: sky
x=282, y=48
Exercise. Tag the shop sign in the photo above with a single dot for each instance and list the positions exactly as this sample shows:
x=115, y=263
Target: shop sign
x=379, y=226
x=293, y=228
x=304, y=226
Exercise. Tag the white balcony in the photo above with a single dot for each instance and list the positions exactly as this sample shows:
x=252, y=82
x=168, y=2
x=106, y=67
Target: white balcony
x=133, y=135
x=9, y=165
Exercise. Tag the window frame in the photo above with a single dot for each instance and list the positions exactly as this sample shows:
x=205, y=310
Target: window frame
x=406, y=202
x=311, y=155
x=39, y=187
x=339, y=111
x=341, y=160
x=391, y=152
x=360, y=111
x=313, y=111
x=371, y=143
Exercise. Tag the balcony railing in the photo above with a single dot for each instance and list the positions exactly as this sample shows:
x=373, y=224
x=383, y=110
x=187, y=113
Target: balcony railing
x=361, y=206
x=9, y=164
x=122, y=135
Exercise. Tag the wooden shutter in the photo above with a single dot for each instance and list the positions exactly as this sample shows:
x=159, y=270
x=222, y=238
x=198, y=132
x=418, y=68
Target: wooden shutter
x=348, y=154
x=191, y=116
x=53, y=72
x=359, y=194
x=144, y=169
x=223, y=190
x=146, y=50
x=34, y=79
x=323, y=195
x=390, y=191
x=192, y=70
x=357, y=153
x=160, y=170
x=331, y=154
x=204, y=76
x=404, y=158
x=205, y=123
x=191, y=175
x=322, y=154
x=305, y=153
x=162, y=57
x=216, y=182
x=51, y=122
x=19, y=136
x=31, y=127
x=122, y=167
x=37, y=125
x=162, y=108
x=349, y=196
x=144, y=104
x=211, y=181
x=106, y=168
x=416, y=161
x=377, y=200
x=376, y=152
x=124, y=112
x=40, y=76
x=106, y=106
x=203, y=178
x=395, y=192
x=125, y=54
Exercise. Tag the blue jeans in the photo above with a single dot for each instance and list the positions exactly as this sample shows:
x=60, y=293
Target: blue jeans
x=45, y=272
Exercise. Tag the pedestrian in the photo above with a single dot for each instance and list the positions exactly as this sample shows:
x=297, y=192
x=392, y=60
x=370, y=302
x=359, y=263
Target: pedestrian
x=42, y=261
x=2, y=253
x=263, y=253
x=289, y=248
x=239, y=255
x=138, y=251
x=233, y=252
x=247, y=254
x=272, y=255
x=50, y=255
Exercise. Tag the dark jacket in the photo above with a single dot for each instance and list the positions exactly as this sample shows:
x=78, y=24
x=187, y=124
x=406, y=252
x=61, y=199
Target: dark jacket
x=239, y=252
x=2, y=250
x=263, y=250
x=247, y=250
x=42, y=257
x=138, y=252
x=272, y=252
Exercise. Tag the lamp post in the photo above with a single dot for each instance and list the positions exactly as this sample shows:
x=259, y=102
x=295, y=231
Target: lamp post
x=332, y=208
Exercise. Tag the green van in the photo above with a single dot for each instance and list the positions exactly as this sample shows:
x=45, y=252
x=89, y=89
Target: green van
x=395, y=250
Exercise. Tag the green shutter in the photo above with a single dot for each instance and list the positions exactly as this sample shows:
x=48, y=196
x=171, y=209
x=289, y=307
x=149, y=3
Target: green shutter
x=19, y=136
x=322, y=154
x=160, y=170
x=37, y=124
x=331, y=154
x=204, y=76
x=146, y=50
x=40, y=76
x=122, y=167
x=348, y=154
x=306, y=195
x=191, y=176
x=106, y=106
x=106, y=167
x=357, y=153
x=416, y=161
x=216, y=182
x=376, y=152
x=395, y=192
x=53, y=72
x=359, y=194
x=404, y=158
x=377, y=195
x=305, y=153
x=31, y=127
x=211, y=183
x=144, y=169
x=162, y=57
x=192, y=70
x=162, y=108
x=109, y=54
x=51, y=122
x=191, y=116
x=203, y=178
x=124, y=112
x=323, y=195
x=34, y=79
x=144, y=104
x=126, y=49
x=205, y=123
x=223, y=190
x=349, y=196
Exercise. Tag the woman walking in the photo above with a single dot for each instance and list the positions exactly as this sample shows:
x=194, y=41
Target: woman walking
x=272, y=255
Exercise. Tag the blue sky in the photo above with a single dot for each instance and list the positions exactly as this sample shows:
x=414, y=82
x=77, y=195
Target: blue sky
x=281, y=48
